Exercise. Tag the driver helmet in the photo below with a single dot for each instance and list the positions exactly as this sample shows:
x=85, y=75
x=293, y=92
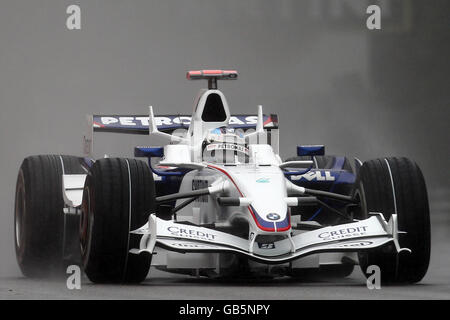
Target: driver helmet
x=225, y=145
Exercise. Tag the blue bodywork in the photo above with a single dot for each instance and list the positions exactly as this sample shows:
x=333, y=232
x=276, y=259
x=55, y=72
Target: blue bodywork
x=316, y=150
x=336, y=179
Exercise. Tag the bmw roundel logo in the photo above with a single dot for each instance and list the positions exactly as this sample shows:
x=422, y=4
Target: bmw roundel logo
x=273, y=216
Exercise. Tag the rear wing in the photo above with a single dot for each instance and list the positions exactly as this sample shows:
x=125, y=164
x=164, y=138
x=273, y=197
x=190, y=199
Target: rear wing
x=139, y=124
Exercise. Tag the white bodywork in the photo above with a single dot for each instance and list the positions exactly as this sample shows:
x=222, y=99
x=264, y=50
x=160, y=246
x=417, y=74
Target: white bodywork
x=262, y=190
x=73, y=185
x=264, y=201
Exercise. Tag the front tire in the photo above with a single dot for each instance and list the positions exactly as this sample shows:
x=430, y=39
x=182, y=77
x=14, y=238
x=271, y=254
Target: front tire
x=396, y=185
x=40, y=232
x=118, y=196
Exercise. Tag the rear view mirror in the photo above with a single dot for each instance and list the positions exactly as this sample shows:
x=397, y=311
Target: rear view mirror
x=312, y=150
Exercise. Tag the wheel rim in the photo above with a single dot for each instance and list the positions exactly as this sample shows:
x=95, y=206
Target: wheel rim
x=86, y=222
x=19, y=211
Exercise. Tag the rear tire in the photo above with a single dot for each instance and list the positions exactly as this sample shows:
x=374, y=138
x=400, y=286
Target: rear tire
x=39, y=232
x=405, y=194
x=111, y=209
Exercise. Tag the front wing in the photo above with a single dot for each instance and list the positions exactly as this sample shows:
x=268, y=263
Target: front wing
x=360, y=235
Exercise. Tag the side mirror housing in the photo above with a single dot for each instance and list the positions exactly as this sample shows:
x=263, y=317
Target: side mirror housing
x=313, y=150
x=149, y=152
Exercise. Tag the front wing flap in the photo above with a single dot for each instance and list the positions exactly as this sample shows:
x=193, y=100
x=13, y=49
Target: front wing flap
x=360, y=235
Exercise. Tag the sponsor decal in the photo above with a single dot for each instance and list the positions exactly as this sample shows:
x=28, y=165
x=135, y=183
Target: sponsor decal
x=227, y=146
x=356, y=244
x=315, y=176
x=270, y=245
x=263, y=180
x=273, y=216
x=343, y=233
x=191, y=245
x=133, y=121
x=190, y=233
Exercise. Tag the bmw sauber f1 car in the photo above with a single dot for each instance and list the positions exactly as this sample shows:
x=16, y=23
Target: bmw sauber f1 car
x=217, y=201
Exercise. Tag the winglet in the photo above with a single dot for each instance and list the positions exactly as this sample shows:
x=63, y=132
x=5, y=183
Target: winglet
x=260, y=123
x=153, y=129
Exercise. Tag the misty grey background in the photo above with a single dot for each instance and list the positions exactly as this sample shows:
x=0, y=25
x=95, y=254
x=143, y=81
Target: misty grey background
x=314, y=63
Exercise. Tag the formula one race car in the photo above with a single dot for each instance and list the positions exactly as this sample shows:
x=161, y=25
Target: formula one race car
x=217, y=200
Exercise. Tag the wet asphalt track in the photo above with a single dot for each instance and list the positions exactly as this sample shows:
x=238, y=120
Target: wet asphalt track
x=160, y=285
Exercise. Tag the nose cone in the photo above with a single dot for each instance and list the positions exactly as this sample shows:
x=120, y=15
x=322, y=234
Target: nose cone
x=267, y=189
x=271, y=222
